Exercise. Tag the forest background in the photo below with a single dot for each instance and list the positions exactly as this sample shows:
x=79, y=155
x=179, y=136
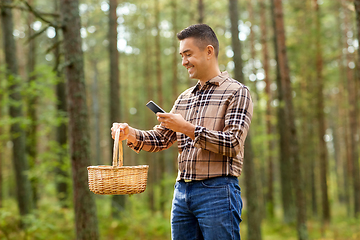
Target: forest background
x=63, y=83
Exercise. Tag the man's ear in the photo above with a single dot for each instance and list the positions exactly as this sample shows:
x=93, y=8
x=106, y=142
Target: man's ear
x=210, y=51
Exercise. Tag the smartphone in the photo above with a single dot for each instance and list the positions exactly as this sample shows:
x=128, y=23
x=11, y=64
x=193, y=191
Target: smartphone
x=154, y=107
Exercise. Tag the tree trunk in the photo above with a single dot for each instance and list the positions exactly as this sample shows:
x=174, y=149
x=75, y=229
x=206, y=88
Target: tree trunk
x=347, y=75
x=62, y=187
x=253, y=216
x=84, y=201
x=31, y=134
x=321, y=121
x=158, y=55
x=96, y=112
x=357, y=11
x=254, y=220
x=174, y=71
x=342, y=119
x=251, y=18
x=285, y=163
x=114, y=66
x=61, y=138
x=235, y=42
x=260, y=171
x=118, y=201
x=285, y=85
x=161, y=160
x=353, y=125
x=2, y=114
x=269, y=128
x=201, y=11
x=23, y=186
x=149, y=115
x=354, y=122
x=176, y=54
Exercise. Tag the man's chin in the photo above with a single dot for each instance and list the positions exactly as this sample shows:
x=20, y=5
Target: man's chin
x=192, y=76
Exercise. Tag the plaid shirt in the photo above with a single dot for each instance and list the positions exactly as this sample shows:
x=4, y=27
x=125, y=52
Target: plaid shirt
x=221, y=110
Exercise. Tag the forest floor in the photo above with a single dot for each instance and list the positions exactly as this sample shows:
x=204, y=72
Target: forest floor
x=346, y=229
x=143, y=225
x=341, y=227
x=137, y=222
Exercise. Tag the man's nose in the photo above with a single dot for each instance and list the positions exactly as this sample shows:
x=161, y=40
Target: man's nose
x=184, y=61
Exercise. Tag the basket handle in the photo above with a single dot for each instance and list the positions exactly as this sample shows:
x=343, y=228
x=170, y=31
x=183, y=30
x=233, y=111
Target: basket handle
x=118, y=151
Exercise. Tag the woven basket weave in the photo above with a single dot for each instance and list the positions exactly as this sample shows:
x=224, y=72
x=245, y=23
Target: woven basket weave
x=117, y=179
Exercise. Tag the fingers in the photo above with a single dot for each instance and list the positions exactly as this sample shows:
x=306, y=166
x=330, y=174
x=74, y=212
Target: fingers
x=165, y=119
x=124, y=130
x=159, y=114
x=162, y=124
x=162, y=120
x=114, y=127
x=161, y=117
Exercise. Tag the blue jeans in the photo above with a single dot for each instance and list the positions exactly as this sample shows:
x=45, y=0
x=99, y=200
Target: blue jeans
x=208, y=209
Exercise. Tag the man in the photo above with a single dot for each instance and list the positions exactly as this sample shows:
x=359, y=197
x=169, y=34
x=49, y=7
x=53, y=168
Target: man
x=210, y=121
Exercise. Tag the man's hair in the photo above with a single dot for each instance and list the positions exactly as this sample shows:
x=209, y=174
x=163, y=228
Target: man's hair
x=203, y=35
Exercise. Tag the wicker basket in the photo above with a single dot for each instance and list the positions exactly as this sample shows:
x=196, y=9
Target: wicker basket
x=117, y=179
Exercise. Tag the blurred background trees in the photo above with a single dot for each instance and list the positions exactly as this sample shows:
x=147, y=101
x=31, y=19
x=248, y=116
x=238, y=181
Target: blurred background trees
x=299, y=59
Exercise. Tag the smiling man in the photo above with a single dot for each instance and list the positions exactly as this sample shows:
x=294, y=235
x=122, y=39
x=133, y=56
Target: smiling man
x=210, y=122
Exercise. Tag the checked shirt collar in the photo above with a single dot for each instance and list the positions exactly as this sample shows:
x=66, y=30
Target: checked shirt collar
x=218, y=80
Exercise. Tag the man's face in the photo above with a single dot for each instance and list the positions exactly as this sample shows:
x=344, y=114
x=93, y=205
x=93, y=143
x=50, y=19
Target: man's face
x=193, y=58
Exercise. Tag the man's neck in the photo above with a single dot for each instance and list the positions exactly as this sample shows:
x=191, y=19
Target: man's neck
x=209, y=76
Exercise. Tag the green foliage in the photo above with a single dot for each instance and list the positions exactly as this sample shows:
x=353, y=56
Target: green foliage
x=342, y=228
x=48, y=222
x=42, y=89
x=136, y=222
x=137, y=33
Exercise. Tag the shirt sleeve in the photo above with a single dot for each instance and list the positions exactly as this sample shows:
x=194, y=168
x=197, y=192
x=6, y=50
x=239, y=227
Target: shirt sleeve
x=230, y=141
x=160, y=138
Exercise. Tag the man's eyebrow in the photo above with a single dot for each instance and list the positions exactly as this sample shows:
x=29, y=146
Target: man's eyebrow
x=185, y=51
